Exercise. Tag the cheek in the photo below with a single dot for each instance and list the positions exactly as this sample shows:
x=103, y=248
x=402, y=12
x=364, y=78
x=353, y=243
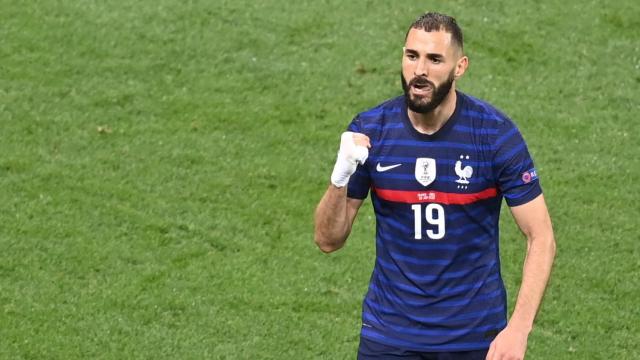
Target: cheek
x=441, y=74
x=407, y=70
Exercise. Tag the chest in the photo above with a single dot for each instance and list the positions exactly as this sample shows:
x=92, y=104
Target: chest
x=463, y=165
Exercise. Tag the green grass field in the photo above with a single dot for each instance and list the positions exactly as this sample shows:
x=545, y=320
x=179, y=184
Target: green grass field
x=160, y=162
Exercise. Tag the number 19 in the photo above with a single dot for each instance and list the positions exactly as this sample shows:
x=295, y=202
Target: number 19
x=434, y=214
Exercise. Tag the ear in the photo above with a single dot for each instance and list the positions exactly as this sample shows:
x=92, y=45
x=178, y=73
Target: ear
x=461, y=66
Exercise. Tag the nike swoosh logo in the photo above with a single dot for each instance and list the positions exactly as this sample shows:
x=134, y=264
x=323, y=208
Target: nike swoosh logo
x=385, y=168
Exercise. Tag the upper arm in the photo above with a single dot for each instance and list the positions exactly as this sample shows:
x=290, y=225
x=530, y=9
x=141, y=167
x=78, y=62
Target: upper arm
x=533, y=219
x=513, y=167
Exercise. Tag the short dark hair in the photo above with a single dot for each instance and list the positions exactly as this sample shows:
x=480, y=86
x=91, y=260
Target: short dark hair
x=433, y=21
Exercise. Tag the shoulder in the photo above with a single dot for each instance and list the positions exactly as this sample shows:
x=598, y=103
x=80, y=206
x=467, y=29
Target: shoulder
x=482, y=109
x=373, y=121
x=381, y=112
x=485, y=117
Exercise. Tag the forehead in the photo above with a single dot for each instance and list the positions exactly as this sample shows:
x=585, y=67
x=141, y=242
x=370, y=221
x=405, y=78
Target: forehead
x=439, y=42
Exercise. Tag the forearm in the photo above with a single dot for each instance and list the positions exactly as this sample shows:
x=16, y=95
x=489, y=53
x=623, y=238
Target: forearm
x=335, y=212
x=536, y=271
x=332, y=224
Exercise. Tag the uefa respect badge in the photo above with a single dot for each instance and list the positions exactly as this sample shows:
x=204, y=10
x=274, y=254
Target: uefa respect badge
x=529, y=175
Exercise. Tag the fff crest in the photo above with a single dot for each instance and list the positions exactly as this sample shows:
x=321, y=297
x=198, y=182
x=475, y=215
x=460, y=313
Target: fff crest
x=425, y=170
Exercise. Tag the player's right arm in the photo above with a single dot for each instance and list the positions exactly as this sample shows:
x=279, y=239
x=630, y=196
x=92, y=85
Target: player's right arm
x=334, y=217
x=336, y=212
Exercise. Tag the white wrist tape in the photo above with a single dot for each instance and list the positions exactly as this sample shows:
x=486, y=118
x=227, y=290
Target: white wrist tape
x=349, y=156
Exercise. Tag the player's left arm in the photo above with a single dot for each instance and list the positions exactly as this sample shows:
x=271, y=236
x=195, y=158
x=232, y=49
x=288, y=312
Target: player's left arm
x=534, y=221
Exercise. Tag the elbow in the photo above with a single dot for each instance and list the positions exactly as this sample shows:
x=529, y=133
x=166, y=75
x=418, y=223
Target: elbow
x=328, y=248
x=545, y=244
x=550, y=243
x=327, y=245
x=552, y=246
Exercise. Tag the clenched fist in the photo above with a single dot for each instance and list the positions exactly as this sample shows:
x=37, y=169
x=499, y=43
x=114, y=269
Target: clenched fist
x=354, y=150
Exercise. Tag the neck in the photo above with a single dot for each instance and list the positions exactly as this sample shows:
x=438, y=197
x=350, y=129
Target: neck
x=433, y=121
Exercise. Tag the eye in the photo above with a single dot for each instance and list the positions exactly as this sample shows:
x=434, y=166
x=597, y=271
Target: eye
x=411, y=57
x=436, y=60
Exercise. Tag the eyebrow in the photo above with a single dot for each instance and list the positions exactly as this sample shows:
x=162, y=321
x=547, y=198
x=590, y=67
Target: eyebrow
x=431, y=56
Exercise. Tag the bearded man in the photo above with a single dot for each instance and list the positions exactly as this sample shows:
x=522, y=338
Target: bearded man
x=438, y=163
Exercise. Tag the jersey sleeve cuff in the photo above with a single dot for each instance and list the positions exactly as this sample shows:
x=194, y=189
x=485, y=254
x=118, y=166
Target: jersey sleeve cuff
x=522, y=198
x=357, y=194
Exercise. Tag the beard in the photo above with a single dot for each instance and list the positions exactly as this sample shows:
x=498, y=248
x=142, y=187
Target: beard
x=438, y=93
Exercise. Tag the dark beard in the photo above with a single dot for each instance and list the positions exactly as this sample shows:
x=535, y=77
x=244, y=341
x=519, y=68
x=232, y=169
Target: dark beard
x=438, y=93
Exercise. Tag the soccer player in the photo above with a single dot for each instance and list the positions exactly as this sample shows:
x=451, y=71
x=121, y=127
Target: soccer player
x=437, y=163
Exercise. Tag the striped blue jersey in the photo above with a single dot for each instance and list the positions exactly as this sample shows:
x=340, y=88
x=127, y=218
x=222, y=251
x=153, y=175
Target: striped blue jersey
x=436, y=283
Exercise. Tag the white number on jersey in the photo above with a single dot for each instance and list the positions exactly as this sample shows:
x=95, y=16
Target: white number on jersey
x=434, y=214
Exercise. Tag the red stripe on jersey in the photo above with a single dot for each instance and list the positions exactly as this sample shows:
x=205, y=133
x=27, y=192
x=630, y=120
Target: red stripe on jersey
x=412, y=197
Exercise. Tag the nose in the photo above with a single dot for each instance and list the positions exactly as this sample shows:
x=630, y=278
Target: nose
x=422, y=68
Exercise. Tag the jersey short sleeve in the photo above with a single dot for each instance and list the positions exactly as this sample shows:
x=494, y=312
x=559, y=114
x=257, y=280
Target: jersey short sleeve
x=360, y=181
x=513, y=167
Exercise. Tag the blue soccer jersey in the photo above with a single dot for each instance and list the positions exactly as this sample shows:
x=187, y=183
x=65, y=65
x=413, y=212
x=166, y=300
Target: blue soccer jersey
x=436, y=283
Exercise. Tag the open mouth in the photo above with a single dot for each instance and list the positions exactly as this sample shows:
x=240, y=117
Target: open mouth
x=421, y=87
